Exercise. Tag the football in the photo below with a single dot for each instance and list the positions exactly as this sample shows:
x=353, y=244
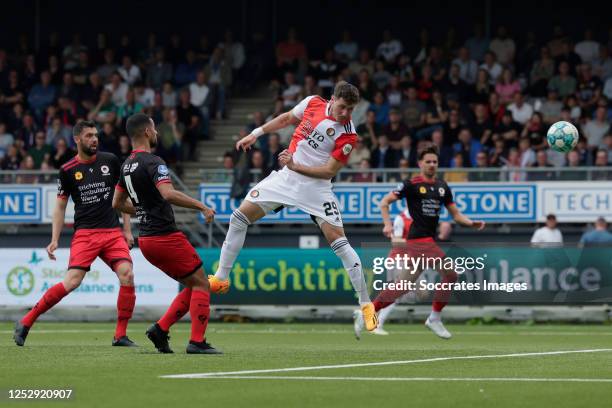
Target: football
x=562, y=136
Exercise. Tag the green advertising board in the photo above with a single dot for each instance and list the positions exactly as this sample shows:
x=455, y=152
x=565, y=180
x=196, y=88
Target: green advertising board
x=281, y=276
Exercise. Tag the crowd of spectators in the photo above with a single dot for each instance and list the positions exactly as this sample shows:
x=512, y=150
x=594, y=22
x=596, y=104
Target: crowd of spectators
x=485, y=102
x=44, y=93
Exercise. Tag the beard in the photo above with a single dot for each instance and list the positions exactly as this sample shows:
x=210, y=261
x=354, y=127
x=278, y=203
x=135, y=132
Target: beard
x=90, y=151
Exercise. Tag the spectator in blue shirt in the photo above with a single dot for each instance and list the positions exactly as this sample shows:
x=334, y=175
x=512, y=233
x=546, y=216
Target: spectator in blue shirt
x=42, y=95
x=468, y=147
x=598, y=236
x=381, y=108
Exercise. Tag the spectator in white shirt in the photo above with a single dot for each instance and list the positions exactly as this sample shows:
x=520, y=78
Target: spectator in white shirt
x=347, y=49
x=607, y=90
x=587, y=49
x=129, y=72
x=200, y=94
x=118, y=90
x=521, y=111
x=602, y=65
x=234, y=50
x=596, y=129
x=503, y=47
x=492, y=67
x=290, y=91
x=390, y=48
x=144, y=94
x=468, y=68
x=549, y=234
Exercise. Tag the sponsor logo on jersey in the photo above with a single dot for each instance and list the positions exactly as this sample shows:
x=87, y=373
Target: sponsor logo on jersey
x=441, y=191
x=422, y=190
x=330, y=132
x=78, y=175
x=346, y=149
x=133, y=167
x=163, y=170
x=254, y=193
x=105, y=170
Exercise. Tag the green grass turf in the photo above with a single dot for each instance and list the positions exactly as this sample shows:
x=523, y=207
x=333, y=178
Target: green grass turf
x=79, y=356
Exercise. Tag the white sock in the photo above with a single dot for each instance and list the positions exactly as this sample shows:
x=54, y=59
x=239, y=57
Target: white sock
x=352, y=264
x=434, y=316
x=384, y=313
x=234, y=240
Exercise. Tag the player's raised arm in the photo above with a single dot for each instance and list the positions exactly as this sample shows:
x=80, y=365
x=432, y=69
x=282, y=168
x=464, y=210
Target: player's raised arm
x=384, y=212
x=181, y=199
x=462, y=219
x=279, y=122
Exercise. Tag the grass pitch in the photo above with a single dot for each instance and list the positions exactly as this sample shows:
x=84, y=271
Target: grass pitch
x=79, y=356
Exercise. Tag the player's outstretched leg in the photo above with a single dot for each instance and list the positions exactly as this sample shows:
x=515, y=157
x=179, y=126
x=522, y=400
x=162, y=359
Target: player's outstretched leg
x=351, y=262
x=434, y=321
x=199, y=309
x=52, y=296
x=240, y=220
x=382, y=317
x=125, y=304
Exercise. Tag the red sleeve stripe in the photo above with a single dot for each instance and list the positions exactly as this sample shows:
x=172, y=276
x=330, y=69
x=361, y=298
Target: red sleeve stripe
x=69, y=162
x=118, y=187
x=68, y=166
x=163, y=182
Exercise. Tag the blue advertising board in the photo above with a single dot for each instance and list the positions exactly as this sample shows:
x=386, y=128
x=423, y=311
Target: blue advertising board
x=20, y=204
x=359, y=202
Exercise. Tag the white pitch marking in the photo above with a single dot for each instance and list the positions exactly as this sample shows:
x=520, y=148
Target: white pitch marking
x=382, y=363
x=333, y=331
x=515, y=379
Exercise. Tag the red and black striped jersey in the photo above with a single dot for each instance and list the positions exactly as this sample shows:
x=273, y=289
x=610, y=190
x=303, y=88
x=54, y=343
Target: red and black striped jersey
x=141, y=173
x=90, y=184
x=424, y=199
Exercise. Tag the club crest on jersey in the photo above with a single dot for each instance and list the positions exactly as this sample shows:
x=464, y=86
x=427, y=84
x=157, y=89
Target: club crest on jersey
x=78, y=175
x=163, y=170
x=330, y=132
x=105, y=170
x=422, y=190
x=254, y=193
x=346, y=149
x=441, y=191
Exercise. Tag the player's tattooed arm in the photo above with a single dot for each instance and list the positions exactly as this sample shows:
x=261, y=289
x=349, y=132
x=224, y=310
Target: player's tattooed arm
x=326, y=172
x=57, y=223
x=384, y=212
x=122, y=203
x=463, y=220
x=279, y=122
x=181, y=199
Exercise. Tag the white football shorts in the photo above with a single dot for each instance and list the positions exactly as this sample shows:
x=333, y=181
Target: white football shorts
x=289, y=189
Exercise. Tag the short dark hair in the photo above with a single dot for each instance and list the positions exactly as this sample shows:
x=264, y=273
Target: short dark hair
x=551, y=217
x=346, y=91
x=136, y=124
x=429, y=149
x=78, y=128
